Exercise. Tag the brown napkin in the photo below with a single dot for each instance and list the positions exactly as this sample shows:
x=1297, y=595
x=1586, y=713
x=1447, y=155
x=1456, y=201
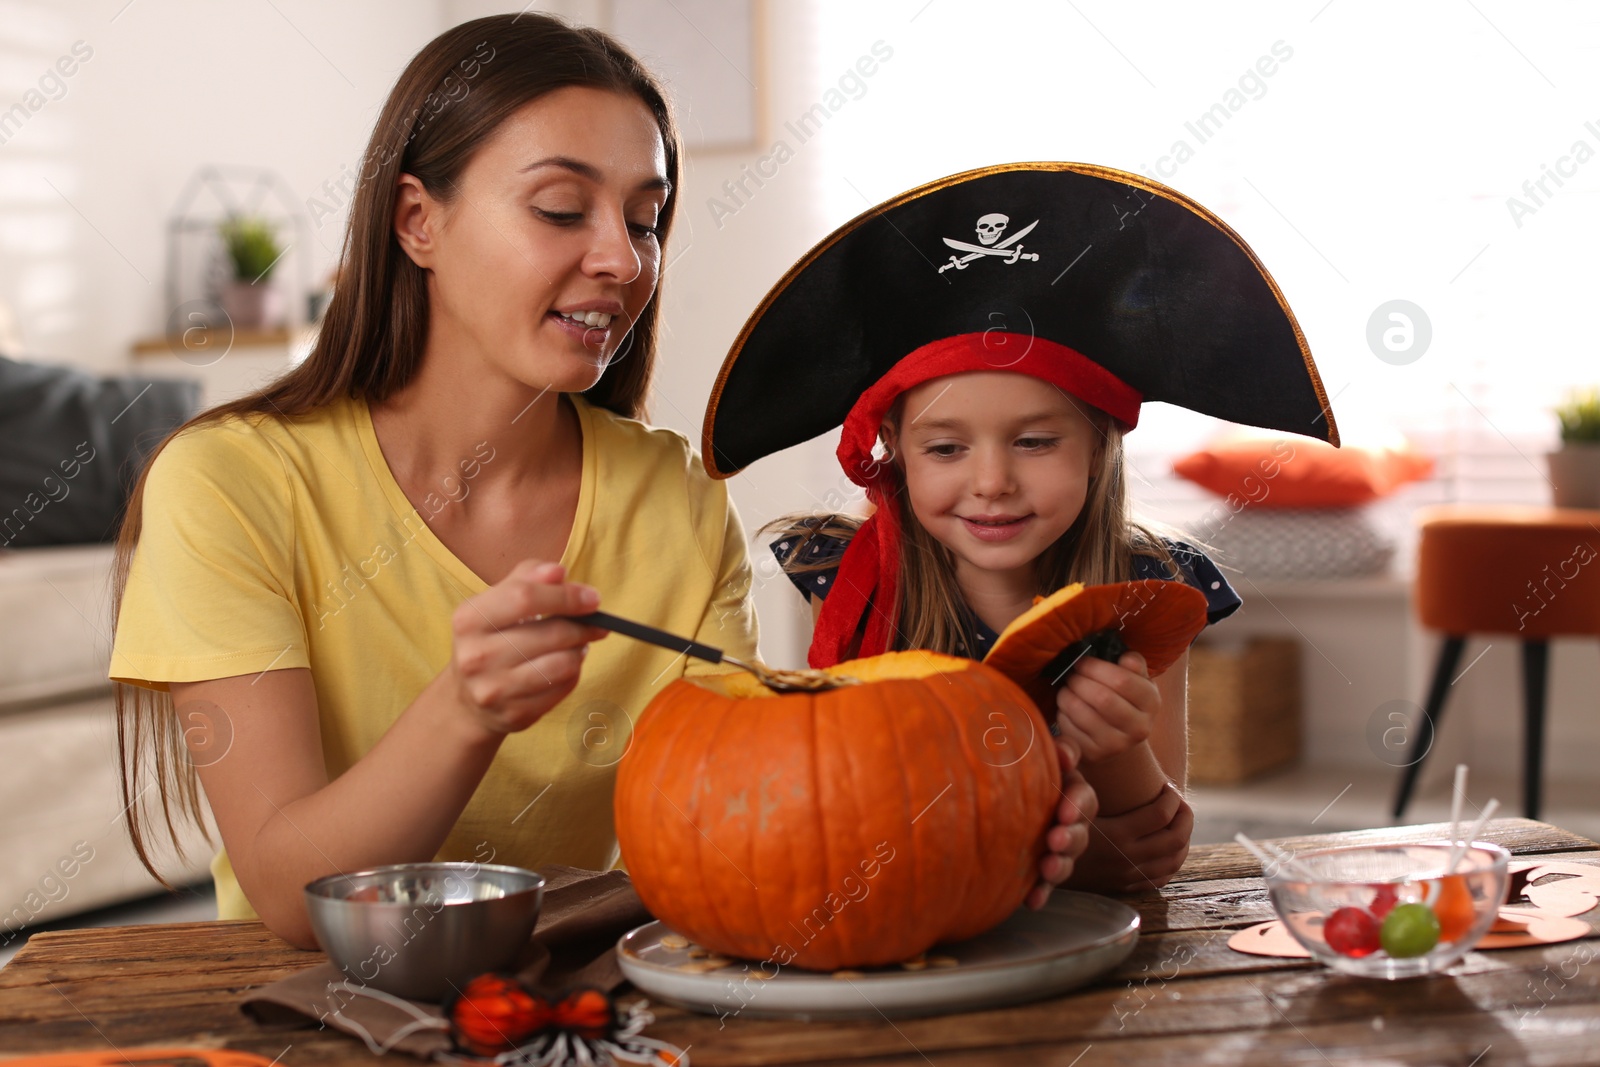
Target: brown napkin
x=583, y=914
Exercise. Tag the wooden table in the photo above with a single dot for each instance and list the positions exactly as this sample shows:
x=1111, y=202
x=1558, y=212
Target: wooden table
x=1183, y=997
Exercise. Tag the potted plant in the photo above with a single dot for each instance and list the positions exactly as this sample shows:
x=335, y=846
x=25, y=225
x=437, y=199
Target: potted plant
x=1575, y=467
x=250, y=299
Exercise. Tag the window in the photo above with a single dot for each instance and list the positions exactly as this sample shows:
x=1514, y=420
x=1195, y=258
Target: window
x=1437, y=153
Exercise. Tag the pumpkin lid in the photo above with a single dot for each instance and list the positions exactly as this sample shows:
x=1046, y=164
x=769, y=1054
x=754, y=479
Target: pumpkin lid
x=1156, y=618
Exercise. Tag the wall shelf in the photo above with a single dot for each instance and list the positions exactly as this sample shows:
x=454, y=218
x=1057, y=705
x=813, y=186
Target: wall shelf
x=227, y=363
x=201, y=339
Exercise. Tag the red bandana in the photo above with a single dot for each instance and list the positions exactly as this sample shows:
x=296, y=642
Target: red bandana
x=867, y=585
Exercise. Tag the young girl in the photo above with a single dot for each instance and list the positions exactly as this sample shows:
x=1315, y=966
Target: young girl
x=1010, y=488
x=1001, y=474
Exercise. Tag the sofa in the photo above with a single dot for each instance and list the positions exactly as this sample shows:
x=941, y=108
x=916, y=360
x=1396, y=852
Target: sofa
x=69, y=444
x=63, y=842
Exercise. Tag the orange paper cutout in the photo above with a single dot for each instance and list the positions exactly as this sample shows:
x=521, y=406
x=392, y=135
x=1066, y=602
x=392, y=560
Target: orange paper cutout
x=1568, y=896
x=1270, y=938
x=1519, y=927
x=144, y=1057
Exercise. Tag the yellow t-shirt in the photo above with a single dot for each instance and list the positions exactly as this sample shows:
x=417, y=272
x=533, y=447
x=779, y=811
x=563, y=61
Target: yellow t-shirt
x=270, y=543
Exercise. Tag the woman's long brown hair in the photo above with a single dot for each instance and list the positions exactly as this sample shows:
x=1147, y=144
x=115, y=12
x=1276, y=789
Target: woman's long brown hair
x=450, y=99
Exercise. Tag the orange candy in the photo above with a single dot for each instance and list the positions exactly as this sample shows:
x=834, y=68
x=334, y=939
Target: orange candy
x=1454, y=908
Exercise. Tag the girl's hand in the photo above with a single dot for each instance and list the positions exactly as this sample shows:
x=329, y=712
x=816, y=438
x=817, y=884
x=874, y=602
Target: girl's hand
x=1106, y=708
x=1068, y=838
x=1140, y=850
x=511, y=665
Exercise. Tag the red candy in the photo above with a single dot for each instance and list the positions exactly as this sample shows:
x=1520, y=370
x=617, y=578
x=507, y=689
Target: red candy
x=1353, y=931
x=1384, y=902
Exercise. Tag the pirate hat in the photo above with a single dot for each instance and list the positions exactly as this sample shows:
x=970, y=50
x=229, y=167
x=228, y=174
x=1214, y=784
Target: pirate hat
x=1123, y=271
x=1109, y=285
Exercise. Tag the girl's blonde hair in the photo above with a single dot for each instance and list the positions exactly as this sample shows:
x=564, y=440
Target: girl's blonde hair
x=1096, y=549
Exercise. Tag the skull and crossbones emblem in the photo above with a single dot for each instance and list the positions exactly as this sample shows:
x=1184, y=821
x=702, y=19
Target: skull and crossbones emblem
x=990, y=229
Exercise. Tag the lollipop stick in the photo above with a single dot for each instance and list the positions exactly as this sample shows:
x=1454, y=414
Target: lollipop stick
x=1255, y=850
x=1457, y=795
x=1276, y=858
x=1459, y=848
x=1290, y=863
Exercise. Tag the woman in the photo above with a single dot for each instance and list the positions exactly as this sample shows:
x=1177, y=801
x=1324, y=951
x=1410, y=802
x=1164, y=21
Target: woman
x=338, y=580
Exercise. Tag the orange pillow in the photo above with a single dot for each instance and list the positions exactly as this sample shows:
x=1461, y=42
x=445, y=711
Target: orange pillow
x=1301, y=473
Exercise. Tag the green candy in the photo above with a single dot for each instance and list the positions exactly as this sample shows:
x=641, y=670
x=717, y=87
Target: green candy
x=1409, y=930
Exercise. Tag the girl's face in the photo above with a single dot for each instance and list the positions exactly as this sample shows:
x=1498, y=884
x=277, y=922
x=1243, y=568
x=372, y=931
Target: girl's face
x=548, y=253
x=997, y=466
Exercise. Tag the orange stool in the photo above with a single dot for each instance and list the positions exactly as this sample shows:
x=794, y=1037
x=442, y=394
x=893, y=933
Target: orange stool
x=1532, y=573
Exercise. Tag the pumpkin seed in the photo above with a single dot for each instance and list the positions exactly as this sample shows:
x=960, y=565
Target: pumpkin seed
x=805, y=679
x=705, y=966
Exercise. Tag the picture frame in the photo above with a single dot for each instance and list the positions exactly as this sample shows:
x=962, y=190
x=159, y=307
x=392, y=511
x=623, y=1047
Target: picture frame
x=707, y=51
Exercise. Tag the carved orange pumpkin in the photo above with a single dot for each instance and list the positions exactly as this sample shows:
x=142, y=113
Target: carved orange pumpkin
x=1156, y=618
x=845, y=828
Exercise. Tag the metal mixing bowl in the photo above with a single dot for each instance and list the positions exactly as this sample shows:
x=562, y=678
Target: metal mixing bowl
x=420, y=930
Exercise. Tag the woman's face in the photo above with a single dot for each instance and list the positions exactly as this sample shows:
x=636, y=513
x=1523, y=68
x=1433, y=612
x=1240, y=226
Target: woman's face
x=543, y=261
x=996, y=464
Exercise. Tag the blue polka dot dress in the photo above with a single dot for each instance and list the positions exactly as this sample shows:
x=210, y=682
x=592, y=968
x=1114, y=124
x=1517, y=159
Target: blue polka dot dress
x=824, y=552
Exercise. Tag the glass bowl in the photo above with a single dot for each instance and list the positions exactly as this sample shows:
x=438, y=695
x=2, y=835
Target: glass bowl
x=1390, y=911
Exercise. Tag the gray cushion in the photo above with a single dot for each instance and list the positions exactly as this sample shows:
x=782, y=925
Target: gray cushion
x=71, y=446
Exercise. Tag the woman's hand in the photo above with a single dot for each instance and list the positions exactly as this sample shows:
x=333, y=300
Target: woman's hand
x=1068, y=838
x=1106, y=708
x=1139, y=850
x=512, y=661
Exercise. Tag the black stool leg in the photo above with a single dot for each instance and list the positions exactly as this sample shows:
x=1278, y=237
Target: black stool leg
x=1535, y=659
x=1443, y=671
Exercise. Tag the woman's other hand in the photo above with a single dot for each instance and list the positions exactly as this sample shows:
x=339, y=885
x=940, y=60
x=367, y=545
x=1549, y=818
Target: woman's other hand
x=515, y=655
x=1069, y=837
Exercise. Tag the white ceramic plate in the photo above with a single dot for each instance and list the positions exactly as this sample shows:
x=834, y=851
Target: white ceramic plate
x=1032, y=955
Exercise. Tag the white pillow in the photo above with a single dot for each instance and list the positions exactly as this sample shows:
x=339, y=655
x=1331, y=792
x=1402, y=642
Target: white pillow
x=1304, y=543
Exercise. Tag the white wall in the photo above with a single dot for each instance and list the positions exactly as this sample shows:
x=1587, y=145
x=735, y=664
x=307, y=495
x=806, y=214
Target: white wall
x=170, y=85
x=721, y=267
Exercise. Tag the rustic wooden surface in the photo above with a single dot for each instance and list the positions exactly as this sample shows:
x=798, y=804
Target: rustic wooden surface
x=1183, y=997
